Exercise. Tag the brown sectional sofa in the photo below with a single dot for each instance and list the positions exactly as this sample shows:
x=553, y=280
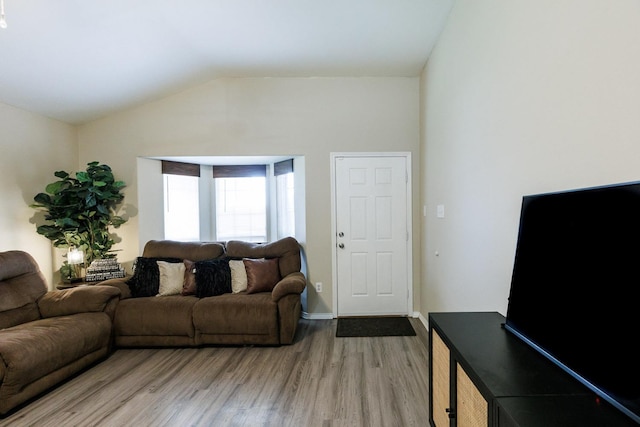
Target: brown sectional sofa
x=46, y=337
x=262, y=318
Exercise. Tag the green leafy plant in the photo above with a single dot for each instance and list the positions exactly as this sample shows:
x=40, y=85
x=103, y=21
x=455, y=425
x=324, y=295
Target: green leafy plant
x=80, y=210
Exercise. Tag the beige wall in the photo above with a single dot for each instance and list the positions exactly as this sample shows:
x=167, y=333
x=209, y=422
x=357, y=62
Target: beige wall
x=518, y=98
x=32, y=148
x=309, y=117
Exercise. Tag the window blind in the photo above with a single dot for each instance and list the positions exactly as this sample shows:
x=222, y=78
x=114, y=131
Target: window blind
x=239, y=171
x=285, y=166
x=179, y=168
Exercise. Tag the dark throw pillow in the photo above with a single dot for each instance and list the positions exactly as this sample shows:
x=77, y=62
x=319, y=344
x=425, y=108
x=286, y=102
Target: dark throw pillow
x=262, y=274
x=213, y=277
x=146, y=276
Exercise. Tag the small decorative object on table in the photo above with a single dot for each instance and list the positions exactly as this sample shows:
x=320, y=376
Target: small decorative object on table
x=104, y=269
x=72, y=270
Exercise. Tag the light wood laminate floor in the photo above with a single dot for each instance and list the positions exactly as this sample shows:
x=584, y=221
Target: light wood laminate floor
x=320, y=380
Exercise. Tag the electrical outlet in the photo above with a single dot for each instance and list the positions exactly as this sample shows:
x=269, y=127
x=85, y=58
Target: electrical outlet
x=318, y=287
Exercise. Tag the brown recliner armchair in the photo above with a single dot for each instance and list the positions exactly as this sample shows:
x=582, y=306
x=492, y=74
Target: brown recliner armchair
x=46, y=337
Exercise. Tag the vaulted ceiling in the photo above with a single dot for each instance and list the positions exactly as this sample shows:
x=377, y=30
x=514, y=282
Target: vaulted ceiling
x=78, y=60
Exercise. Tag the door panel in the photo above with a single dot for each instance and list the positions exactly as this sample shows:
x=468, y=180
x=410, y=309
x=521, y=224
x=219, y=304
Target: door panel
x=372, y=238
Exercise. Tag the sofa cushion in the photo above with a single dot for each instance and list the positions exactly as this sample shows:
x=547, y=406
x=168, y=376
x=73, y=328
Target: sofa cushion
x=19, y=315
x=146, y=276
x=195, y=251
x=17, y=263
x=77, y=300
x=21, y=285
x=236, y=314
x=287, y=250
x=171, y=278
x=32, y=350
x=238, y=276
x=213, y=277
x=16, y=292
x=170, y=316
x=262, y=274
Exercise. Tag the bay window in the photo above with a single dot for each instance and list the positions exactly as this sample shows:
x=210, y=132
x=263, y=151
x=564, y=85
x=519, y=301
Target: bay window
x=236, y=205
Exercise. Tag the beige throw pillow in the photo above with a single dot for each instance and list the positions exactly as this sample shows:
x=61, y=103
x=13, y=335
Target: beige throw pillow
x=171, y=278
x=238, y=276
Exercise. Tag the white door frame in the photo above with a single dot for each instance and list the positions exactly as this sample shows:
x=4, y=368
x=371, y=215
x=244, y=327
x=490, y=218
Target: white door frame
x=334, y=245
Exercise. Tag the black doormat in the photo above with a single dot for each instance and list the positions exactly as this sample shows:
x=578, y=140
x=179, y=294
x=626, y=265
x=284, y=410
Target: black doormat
x=374, y=327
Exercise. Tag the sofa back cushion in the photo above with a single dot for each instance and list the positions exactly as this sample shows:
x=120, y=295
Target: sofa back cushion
x=194, y=251
x=21, y=285
x=287, y=250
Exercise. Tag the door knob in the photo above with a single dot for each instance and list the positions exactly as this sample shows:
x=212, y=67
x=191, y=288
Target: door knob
x=341, y=245
x=341, y=234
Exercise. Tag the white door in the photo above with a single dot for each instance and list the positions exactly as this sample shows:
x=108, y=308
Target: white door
x=371, y=235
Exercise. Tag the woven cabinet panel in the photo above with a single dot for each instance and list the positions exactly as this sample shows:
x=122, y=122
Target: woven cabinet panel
x=472, y=410
x=441, y=380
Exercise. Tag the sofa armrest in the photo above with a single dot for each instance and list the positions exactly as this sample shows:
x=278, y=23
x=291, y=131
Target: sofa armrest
x=120, y=283
x=293, y=283
x=82, y=299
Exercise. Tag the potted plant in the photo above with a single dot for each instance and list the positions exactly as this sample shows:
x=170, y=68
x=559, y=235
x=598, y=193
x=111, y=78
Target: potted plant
x=80, y=210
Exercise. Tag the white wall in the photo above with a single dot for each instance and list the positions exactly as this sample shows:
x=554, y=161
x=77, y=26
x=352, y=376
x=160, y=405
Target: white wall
x=308, y=117
x=32, y=148
x=519, y=97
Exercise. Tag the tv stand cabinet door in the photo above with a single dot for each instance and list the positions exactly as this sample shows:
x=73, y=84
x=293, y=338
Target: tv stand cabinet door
x=472, y=409
x=440, y=383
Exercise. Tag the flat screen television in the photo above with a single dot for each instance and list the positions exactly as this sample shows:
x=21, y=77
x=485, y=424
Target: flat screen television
x=575, y=286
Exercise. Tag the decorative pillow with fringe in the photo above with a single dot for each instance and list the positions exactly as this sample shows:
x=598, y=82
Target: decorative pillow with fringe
x=213, y=277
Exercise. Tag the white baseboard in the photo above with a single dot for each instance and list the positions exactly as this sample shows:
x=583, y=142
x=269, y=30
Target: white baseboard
x=317, y=316
x=329, y=316
x=424, y=321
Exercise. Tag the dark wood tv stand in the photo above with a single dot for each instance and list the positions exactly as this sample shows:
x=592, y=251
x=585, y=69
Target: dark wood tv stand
x=482, y=375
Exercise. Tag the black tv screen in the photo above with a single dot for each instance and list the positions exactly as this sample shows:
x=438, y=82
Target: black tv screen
x=575, y=285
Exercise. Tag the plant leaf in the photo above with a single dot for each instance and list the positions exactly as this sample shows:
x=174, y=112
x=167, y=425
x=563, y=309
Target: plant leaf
x=54, y=187
x=43, y=199
x=83, y=177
